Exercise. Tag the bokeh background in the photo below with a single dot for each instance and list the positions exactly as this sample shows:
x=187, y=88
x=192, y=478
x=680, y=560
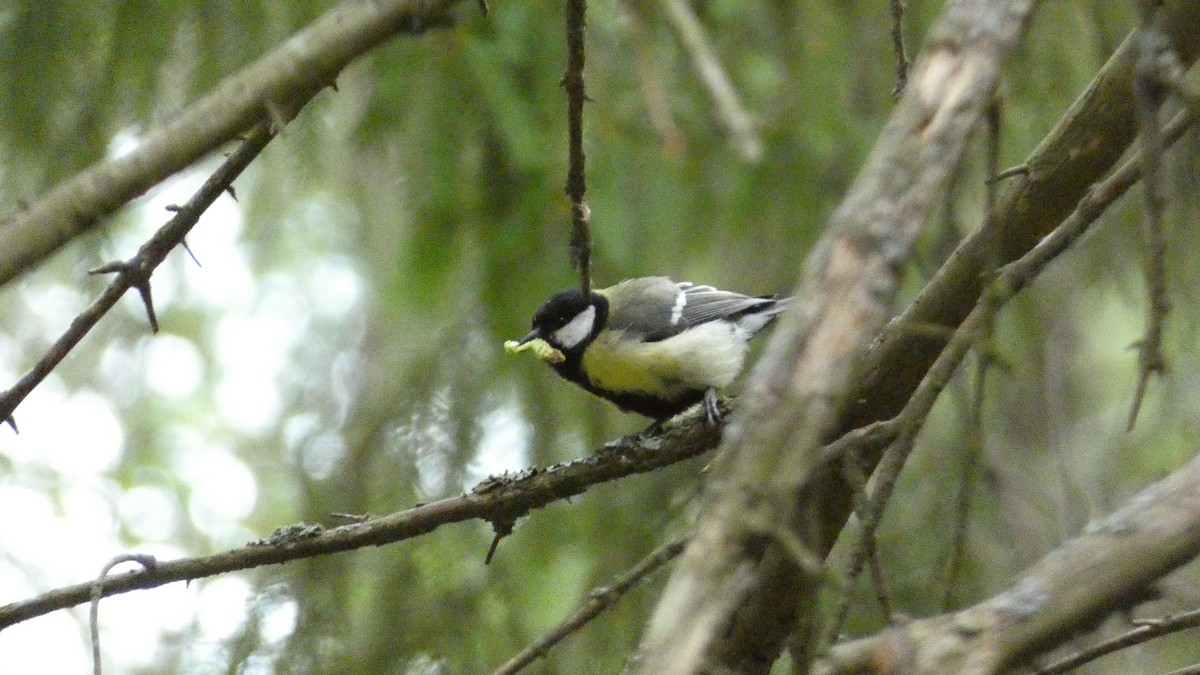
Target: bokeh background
x=338, y=346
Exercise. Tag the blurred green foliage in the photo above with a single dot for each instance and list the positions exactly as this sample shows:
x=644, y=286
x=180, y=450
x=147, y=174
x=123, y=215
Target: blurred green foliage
x=433, y=176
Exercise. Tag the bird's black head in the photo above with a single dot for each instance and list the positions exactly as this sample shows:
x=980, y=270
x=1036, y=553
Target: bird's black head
x=569, y=322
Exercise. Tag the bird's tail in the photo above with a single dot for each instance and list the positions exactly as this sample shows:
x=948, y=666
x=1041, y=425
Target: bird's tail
x=759, y=317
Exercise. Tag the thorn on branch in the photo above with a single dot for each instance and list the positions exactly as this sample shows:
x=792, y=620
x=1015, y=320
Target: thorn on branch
x=137, y=276
x=502, y=527
x=231, y=191
x=109, y=267
x=12, y=422
x=136, y=272
x=143, y=290
x=1151, y=361
x=183, y=242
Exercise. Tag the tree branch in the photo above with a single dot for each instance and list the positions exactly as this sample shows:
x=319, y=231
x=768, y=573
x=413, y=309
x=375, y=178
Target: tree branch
x=1108, y=567
x=576, y=186
x=735, y=595
x=1089, y=140
x=1009, y=281
x=1084, y=146
x=505, y=497
x=135, y=272
x=288, y=76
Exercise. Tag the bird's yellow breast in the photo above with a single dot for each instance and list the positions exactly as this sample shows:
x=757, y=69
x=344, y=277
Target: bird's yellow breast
x=697, y=359
x=627, y=367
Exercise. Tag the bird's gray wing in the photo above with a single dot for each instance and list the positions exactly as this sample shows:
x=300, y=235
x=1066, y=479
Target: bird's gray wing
x=647, y=307
x=657, y=308
x=702, y=304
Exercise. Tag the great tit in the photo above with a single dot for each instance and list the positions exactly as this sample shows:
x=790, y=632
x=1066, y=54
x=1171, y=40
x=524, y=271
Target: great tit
x=650, y=345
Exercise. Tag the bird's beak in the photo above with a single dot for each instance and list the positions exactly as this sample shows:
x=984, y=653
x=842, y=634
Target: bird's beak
x=537, y=345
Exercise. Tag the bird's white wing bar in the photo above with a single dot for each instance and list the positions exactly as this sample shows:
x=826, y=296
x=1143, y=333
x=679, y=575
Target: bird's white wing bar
x=680, y=303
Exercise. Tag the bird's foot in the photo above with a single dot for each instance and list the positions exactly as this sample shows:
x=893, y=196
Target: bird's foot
x=712, y=407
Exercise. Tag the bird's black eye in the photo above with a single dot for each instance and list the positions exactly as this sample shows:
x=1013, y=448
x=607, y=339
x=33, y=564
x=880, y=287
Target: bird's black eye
x=559, y=310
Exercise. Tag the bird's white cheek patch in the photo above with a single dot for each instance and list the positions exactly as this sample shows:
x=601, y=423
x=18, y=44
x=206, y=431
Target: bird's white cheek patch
x=577, y=329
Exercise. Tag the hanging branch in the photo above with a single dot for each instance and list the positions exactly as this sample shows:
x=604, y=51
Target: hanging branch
x=135, y=272
x=984, y=358
x=1155, y=68
x=146, y=561
x=576, y=188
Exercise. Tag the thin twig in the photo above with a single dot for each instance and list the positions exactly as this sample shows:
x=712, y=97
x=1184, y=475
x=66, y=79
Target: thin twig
x=898, y=48
x=870, y=517
x=973, y=451
x=598, y=601
x=135, y=272
x=576, y=188
x=862, y=551
x=148, y=563
x=956, y=557
x=1149, y=630
x=731, y=115
x=1150, y=90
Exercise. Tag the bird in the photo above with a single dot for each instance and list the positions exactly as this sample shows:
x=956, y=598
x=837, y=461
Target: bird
x=650, y=345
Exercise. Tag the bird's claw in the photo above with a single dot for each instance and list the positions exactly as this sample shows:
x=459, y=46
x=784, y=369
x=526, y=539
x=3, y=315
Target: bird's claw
x=712, y=407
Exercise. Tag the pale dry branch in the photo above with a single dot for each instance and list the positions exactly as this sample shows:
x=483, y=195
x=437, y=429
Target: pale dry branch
x=1110, y=566
x=730, y=113
x=735, y=596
